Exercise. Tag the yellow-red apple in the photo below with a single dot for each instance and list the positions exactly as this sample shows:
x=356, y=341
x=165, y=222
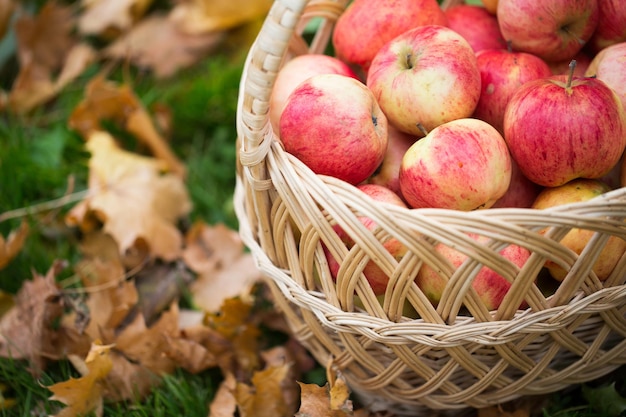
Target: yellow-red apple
x=477, y=25
x=375, y=276
x=575, y=191
x=502, y=72
x=334, y=125
x=366, y=25
x=425, y=77
x=388, y=174
x=490, y=286
x=609, y=65
x=297, y=70
x=563, y=127
x=463, y=165
x=553, y=30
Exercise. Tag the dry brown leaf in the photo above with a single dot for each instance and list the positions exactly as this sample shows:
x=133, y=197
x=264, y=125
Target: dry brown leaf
x=109, y=296
x=225, y=270
x=26, y=330
x=107, y=100
x=224, y=403
x=146, y=345
x=201, y=16
x=133, y=199
x=10, y=247
x=128, y=380
x=317, y=401
x=157, y=43
x=235, y=322
x=46, y=47
x=110, y=17
x=279, y=356
x=84, y=395
x=265, y=397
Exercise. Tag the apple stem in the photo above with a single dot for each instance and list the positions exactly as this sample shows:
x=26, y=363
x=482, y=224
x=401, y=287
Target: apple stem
x=422, y=129
x=509, y=45
x=570, y=76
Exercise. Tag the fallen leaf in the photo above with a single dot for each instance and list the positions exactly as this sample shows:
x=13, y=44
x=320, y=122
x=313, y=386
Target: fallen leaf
x=84, y=395
x=46, y=49
x=265, y=397
x=26, y=330
x=10, y=247
x=110, y=17
x=224, y=403
x=201, y=16
x=157, y=43
x=128, y=380
x=234, y=280
x=209, y=248
x=108, y=101
x=133, y=198
x=234, y=321
x=316, y=402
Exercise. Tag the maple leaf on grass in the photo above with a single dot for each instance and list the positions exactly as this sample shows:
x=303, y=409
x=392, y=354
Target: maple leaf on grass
x=331, y=400
x=158, y=44
x=133, y=198
x=84, y=395
x=265, y=397
x=26, y=330
x=107, y=100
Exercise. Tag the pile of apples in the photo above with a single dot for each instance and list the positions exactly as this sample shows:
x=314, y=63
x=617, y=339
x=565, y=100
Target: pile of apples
x=508, y=103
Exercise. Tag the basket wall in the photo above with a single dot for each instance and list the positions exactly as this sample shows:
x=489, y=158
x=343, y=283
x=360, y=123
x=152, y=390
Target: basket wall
x=399, y=351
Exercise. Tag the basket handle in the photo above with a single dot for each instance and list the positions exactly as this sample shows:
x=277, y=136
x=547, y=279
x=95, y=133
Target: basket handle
x=259, y=73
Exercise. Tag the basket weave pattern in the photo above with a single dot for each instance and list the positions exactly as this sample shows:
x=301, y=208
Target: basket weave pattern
x=457, y=354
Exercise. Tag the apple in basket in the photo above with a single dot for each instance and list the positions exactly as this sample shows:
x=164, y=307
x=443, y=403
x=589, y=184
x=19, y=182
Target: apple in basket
x=479, y=27
x=425, y=77
x=366, y=25
x=333, y=124
x=388, y=174
x=502, y=72
x=297, y=70
x=580, y=190
x=521, y=193
x=463, y=164
x=612, y=29
x=563, y=127
x=375, y=276
x=553, y=30
x=490, y=286
x=609, y=65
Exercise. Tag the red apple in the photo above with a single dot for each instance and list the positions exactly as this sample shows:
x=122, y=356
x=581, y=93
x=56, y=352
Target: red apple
x=297, y=70
x=490, y=286
x=502, y=72
x=521, y=193
x=366, y=25
x=425, y=77
x=477, y=25
x=388, y=173
x=553, y=30
x=575, y=191
x=463, y=165
x=609, y=65
x=612, y=27
x=334, y=125
x=563, y=127
x=375, y=276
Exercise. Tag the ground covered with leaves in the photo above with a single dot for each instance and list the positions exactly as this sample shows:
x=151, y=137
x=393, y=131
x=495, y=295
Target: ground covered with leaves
x=124, y=286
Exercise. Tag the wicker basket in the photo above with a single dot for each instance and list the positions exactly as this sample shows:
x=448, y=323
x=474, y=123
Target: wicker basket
x=457, y=355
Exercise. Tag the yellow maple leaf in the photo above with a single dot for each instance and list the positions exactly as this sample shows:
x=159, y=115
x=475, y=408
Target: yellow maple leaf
x=265, y=397
x=134, y=199
x=84, y=395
